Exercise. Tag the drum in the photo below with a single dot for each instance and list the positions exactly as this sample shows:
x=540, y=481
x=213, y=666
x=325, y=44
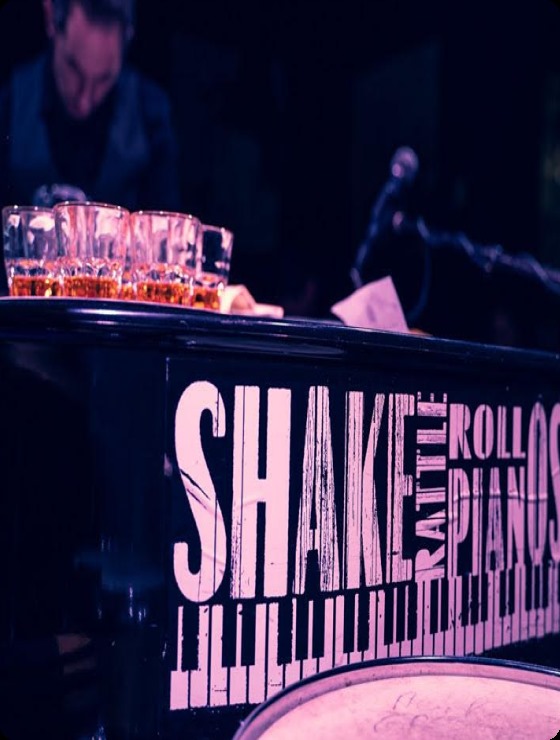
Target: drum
x=415, y=699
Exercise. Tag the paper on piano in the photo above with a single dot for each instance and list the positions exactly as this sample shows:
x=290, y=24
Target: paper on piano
x=373, y=306
x=236, y=299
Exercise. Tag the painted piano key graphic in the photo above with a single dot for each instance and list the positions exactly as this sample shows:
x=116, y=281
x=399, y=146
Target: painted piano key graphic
x=463, y=616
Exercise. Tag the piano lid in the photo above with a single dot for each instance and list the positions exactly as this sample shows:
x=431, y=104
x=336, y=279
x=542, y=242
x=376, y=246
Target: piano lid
x=166, y=327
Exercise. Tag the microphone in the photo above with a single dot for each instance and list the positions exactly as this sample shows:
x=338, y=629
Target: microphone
x=403, y=168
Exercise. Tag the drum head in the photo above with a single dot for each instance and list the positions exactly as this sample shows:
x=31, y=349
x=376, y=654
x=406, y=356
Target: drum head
x=415, y=699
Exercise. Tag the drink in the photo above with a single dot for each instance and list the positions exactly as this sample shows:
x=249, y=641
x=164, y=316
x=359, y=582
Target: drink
x=206, y=297
x=31, y=277
x=90, y=286
x=207, y=292
x=155, y=291
x=35, y=285
x=30, y=251
x=163, y=256
x=215, y=245
x=128, y=288
x=93, y=239
x=127, y=292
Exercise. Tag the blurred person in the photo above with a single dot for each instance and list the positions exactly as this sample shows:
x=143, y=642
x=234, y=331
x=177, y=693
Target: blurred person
x=79, y=123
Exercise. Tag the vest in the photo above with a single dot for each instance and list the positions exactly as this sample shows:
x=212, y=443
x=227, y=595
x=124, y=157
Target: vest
x=31, y=163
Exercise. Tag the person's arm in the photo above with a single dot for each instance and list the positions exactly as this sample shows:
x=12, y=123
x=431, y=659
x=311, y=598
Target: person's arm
x=160, y=187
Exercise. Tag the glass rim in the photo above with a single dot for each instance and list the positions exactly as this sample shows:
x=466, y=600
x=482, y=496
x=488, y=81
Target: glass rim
x=163, y=214
x=26, y=209
x=221, y=229
x=92, y=204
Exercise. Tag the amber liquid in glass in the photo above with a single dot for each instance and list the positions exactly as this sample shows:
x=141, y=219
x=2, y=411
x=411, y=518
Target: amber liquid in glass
x=89, y=286
x=204, y=297
x=40, y=285
x=163, y=292
x=127, y=292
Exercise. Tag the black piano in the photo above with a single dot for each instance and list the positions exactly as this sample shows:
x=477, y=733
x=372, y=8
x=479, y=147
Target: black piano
x=198, y=510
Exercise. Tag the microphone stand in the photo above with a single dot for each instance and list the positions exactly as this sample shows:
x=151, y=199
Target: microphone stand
x=403, y=169
x=489, y=259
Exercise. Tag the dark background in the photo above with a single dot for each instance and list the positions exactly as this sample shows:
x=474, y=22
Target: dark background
x=287, y=115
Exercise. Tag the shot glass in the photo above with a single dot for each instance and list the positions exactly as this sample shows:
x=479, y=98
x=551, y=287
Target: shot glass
x=93, y=240
x=163, y=250
x=31, y=251
x=212, y=269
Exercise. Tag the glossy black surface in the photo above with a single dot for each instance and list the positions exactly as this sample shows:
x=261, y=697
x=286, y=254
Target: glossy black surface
x=140, y=324
x=86, y=398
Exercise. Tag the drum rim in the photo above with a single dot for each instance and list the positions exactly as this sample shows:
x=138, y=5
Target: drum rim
x=427, y=665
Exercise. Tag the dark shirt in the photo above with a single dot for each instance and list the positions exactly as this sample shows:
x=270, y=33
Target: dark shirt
x=76, y=163
x=124, y=153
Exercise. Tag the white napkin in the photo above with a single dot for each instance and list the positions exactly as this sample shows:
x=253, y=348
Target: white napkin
x=236, y=299
x=373, y=306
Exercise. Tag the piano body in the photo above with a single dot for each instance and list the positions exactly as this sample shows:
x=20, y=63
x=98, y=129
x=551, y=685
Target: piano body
x=200, y=510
